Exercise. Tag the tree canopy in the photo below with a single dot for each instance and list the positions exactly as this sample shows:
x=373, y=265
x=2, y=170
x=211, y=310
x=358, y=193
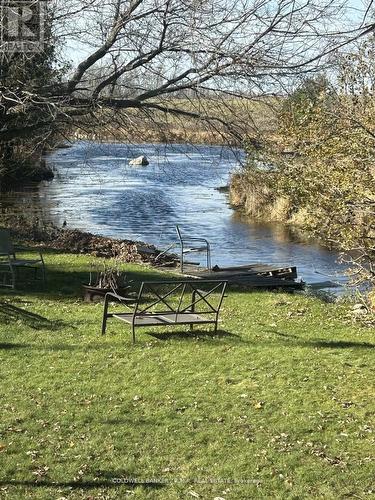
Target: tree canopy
x=163, y=55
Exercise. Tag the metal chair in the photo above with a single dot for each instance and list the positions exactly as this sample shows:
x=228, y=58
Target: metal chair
x=9, y=263
x=191, y=244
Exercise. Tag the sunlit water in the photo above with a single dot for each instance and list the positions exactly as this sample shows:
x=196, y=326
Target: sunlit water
x=96, y=190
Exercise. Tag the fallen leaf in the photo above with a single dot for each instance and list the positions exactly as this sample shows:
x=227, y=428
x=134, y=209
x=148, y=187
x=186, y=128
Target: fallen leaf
x=193, y=494
x=259, y=405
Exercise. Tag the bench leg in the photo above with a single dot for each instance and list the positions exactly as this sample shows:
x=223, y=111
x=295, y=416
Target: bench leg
x=14, y=276
x=133, y=333
x=193, y=296
x=43, y=274
x=104, y=324
x=105, y=315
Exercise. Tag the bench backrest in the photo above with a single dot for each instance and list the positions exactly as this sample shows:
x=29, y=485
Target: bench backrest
x=179, y=297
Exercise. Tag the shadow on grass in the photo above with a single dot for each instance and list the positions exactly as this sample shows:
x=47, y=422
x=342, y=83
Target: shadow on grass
x=330, y=344
x=62, y=283
x=53, y=347
x=104, y=479
x=193, y=335
x=12, y=313
x=101, y=346
x=111, y=482
x=8, y=346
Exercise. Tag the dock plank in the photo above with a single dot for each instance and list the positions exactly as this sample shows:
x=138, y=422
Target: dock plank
x=255, y=275
x=250, y=277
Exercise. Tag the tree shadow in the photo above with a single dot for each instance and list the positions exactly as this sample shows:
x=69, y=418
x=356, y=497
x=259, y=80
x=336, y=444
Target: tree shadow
x=58, y=346
x=329, y=344
x=62, y=283
x=110, y=480
x=8, y=346
x=11, y=313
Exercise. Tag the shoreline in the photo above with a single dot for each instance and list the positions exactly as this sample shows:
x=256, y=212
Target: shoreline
x=78, y=242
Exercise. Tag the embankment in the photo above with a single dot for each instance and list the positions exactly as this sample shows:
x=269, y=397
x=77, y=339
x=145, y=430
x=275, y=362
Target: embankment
x=80, y=242
x=254, y=193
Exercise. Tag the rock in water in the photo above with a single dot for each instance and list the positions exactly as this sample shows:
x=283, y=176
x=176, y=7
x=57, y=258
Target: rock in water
x=141, y=160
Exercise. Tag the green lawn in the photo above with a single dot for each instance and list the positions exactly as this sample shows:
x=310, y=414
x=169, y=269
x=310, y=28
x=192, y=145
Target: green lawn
x=280, y=404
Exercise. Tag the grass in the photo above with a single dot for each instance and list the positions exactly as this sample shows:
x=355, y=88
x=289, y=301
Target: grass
x=280, y=404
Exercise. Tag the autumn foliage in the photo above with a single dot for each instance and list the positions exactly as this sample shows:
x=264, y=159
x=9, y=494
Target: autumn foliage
x=321, y=163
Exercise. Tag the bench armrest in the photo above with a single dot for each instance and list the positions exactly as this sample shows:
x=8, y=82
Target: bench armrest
x=124, y=300
x=195, y=239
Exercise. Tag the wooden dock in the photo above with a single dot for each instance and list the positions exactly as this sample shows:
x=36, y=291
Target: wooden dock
x=252, y=275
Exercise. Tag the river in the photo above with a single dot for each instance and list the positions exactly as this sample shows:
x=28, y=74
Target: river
x=96, y=190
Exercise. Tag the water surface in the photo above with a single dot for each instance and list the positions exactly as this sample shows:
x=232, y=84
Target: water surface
x=96, y=190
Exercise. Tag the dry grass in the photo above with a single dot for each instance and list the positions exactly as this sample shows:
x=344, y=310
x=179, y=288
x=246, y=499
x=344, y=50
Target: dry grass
x=246, y=118
x=251, y=192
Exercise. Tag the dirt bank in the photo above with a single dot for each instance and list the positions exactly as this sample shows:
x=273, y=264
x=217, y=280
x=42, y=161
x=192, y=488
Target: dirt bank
x=76, y=241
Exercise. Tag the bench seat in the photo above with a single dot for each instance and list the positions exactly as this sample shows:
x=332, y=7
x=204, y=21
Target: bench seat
x=167, y=318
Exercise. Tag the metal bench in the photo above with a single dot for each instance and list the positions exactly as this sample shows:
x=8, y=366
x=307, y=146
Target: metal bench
x=168, y=303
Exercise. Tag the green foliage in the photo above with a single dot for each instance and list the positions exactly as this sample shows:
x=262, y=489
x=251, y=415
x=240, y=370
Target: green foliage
x=324, y=156
x=25, y=79
x=299, y=107
x=284, y=401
